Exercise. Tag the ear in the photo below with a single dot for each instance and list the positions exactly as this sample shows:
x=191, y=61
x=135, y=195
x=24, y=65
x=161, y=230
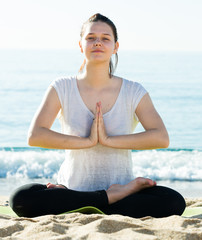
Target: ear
x=80, y=45
x=116, y=48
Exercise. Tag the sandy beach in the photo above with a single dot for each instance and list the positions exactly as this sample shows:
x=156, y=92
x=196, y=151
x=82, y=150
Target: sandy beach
x=95, y=226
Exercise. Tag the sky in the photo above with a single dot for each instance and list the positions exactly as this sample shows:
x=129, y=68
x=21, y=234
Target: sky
x=156, y=25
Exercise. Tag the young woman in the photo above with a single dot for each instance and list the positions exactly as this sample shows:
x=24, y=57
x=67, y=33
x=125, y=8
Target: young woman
x=98, y=112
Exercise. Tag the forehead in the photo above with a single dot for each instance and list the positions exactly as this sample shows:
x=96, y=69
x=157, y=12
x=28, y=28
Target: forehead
x=98, y=27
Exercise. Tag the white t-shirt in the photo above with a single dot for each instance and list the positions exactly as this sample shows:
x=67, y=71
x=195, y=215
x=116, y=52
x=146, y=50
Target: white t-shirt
x=98, y=167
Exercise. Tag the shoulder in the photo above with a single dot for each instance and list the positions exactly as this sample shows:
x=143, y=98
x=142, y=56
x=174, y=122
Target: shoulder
x=126, y=82
x=63, y=86
x=63, y=81
x=133, y=87
x=130, y=83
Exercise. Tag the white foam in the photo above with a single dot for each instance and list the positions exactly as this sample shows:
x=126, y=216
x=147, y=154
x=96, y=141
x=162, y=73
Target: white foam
x=172, y=165
x=159, y=165
x=30, y=164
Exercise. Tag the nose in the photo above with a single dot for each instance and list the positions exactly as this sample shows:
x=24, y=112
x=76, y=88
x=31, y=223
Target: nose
x=97, y=42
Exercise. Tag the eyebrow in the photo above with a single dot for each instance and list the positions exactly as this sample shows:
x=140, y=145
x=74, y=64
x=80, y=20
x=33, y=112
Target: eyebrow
x=102, y=33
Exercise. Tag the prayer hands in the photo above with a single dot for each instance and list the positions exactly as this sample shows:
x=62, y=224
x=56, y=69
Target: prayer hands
x=98, y=131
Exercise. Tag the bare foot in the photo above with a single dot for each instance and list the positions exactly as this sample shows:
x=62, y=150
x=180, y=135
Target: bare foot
x=51, y=185
x=117, y=192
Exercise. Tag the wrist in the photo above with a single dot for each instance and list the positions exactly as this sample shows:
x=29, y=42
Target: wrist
x=106, y=141
x=83, y=142
x=90, y=142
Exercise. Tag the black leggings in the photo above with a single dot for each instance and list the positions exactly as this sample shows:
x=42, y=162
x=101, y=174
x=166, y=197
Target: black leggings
x=32, y=200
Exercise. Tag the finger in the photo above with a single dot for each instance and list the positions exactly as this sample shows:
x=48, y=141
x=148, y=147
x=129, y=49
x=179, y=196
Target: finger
x=97, y=107
x=100, y=110
x=97, y=112
x=101, y=120
x=100, y=114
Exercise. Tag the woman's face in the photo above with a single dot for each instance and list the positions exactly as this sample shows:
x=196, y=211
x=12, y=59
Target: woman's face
x=98, y=42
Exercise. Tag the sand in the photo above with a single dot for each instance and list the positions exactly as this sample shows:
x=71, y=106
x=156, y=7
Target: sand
x=95, y=226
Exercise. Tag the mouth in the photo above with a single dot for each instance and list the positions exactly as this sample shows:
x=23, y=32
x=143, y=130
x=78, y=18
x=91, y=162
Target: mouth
x=98, y=51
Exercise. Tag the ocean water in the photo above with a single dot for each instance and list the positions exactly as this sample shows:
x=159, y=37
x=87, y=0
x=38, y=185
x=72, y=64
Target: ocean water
x=173, y=80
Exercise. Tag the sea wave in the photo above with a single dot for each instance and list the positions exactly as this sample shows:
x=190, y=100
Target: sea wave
x=30, y=163
x=162, y=164
x=174, y=164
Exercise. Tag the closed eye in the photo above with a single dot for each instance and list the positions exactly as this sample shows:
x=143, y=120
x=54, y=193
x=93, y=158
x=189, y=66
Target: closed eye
x=90, y=38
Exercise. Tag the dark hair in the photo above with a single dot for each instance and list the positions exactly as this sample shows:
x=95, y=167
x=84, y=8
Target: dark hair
x=100, y=18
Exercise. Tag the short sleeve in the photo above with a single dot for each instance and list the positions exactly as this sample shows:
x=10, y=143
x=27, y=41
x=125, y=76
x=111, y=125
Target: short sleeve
x=138, y=91
x=59, y=86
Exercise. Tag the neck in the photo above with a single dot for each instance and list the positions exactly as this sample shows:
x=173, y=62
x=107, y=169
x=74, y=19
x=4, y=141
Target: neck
x=96, y=76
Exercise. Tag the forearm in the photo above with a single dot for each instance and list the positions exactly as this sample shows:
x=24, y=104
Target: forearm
x=46, y=138
x=150, y=139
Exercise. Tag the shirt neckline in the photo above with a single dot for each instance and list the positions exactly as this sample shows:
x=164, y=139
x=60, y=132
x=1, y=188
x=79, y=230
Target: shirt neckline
x=84, y=105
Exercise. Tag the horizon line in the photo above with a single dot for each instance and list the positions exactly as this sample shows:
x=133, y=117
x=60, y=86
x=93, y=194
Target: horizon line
x=124, y=49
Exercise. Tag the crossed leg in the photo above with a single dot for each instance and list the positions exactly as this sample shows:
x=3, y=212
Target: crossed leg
x=133, y=199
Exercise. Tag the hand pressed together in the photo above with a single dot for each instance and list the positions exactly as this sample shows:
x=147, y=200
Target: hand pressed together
x=98, y=132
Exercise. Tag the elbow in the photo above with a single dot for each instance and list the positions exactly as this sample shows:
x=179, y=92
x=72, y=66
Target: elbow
x=32, y=139
x=165, y=141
